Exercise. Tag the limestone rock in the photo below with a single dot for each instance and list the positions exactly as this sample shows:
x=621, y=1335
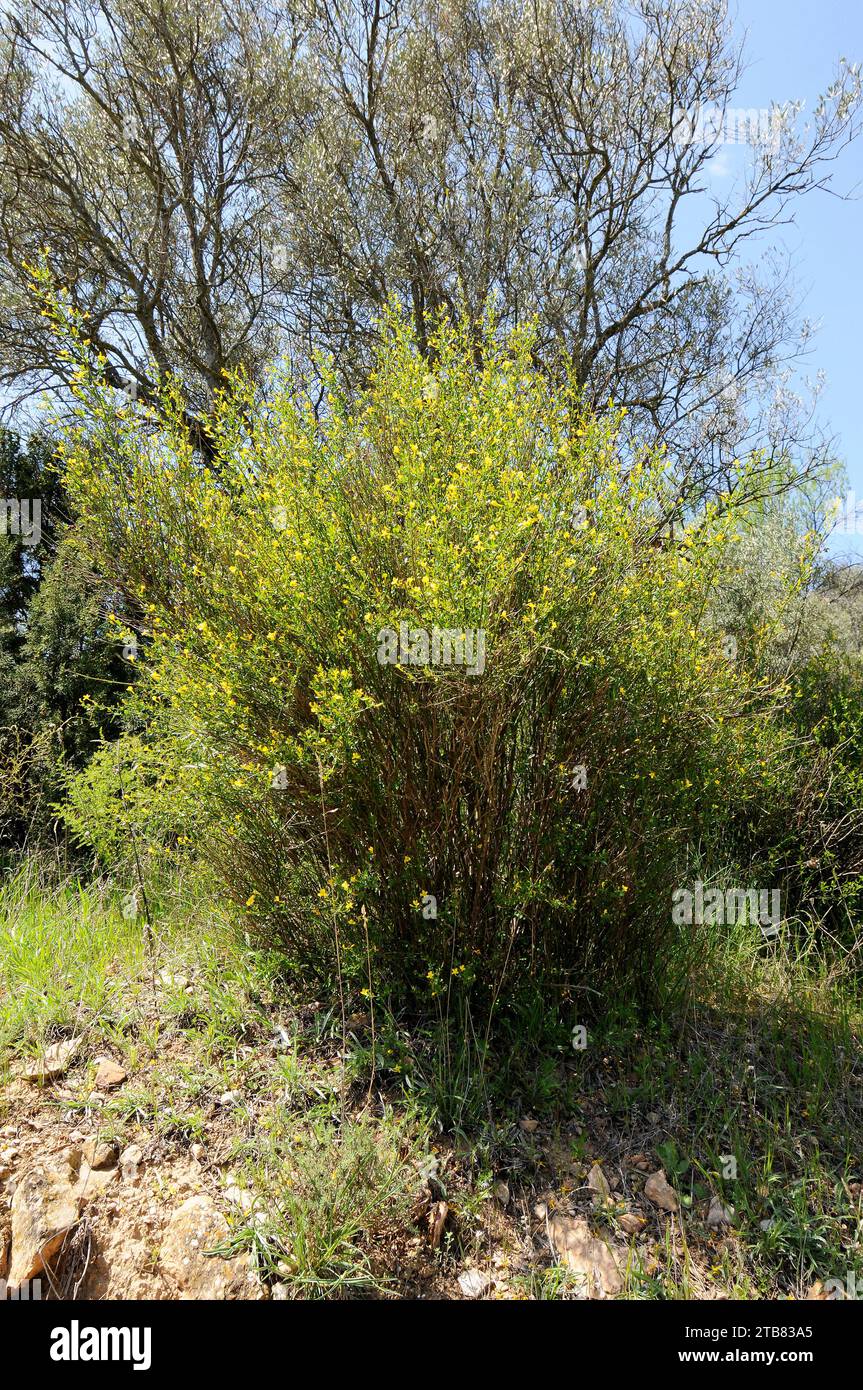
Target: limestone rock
x=658, y=1191
x=473, y=1283
x=585, y=1254
x=194, y=1228
x=53, y=1062
x=99, y=1155
x=44, y=1209
x=719, y=1215
x=109, y=1075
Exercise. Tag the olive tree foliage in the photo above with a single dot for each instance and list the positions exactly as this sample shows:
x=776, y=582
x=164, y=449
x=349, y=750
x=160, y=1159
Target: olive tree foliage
x=537, y=154
x=139, y=147
x=224, y=183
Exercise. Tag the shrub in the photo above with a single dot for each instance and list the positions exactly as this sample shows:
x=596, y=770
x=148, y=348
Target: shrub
x=453, y=824
x=131, y=796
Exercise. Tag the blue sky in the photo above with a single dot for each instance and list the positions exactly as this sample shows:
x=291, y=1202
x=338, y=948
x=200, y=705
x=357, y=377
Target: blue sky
x=791, y=54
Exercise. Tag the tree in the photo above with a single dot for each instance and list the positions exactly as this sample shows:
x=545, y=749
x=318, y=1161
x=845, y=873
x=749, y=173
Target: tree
x=32, y=491
x=61, y=669
x=221, y=183
x=139, y=149
x=543, y=155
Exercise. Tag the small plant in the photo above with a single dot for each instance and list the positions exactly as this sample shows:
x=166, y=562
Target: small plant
x=335, y=1196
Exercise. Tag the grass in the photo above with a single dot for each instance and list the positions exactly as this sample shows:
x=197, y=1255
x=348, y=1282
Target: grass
x=753, y=1095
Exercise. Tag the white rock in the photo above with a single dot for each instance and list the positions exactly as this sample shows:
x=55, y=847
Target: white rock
x=473, y=1283
x=598, y=1184
x=130, y=1159
x=53, y=1062
x=718, y=1214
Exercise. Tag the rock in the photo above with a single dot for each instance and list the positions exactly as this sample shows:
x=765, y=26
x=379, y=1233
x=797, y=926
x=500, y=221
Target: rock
x=280, y=1293
x=598, y=1184
x=178, y=982
x=100, y=1155
x=657, y=1190
x=53, y=1062
x=92, y=1182
x=194, y=1228
x=109, y=1075
x=585, y=1254
x=473, y=1283
x=129, y=1161
x=44, y=1209
x=501, y=1192
x=86, y=1182
x=631, y=1223
x=198, y=1153
x=230, y=1097
x=719, y=1215
x=239, y=1197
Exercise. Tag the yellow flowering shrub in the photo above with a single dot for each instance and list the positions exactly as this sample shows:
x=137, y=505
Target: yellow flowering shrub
x=453, y=698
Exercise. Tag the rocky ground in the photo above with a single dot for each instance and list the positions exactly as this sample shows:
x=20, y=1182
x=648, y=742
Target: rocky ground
x=95, y=1215
x=98, y=1216
x=94, y=1218
x=177, y=1125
